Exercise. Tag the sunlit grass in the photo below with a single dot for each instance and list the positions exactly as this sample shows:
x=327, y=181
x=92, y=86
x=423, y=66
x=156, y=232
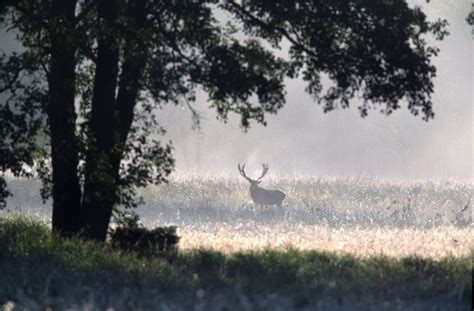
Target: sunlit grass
x=364, y=242
x=332, y=202
x=364, y=217
x=39, y=269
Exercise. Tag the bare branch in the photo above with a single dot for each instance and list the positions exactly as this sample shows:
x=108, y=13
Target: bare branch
x=196, y=117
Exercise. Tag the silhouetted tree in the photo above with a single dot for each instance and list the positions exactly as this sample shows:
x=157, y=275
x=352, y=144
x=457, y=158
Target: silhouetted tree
x=470, y=17
x=79, y=100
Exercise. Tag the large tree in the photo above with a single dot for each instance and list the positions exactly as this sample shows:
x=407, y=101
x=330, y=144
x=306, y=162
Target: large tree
x=78, y=101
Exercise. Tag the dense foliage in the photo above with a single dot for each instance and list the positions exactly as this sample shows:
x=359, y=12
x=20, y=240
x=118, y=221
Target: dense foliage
x=130, y=235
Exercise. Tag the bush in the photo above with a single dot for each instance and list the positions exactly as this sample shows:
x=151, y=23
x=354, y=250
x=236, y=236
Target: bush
x=144, y=241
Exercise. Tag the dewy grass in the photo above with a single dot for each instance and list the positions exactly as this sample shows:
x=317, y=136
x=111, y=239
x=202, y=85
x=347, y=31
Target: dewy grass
x=364, y=217
x=41, y=269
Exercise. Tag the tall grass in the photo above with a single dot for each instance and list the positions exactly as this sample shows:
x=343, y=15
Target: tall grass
x=324, y=201
x=39, y=269
x=331, y=202
x=364, y=217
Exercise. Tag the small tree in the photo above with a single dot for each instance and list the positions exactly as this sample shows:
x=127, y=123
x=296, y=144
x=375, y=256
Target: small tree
x=82, y=95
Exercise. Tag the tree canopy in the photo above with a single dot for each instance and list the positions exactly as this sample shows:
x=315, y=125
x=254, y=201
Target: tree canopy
x=79, y=101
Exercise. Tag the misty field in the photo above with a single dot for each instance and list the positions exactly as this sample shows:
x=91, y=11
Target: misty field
x=360, y=216
x=336, y=244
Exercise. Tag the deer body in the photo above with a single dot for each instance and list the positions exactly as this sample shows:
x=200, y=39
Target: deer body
x=261, y=196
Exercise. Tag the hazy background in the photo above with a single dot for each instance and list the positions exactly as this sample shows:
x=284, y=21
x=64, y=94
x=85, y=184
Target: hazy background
x=302, y=140
x=360, y=214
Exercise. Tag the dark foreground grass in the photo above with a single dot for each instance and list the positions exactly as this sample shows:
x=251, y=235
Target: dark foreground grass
x=39, y=269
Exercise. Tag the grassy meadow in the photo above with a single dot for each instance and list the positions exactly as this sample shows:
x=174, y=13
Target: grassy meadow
x=337, y=244
x=39, y=270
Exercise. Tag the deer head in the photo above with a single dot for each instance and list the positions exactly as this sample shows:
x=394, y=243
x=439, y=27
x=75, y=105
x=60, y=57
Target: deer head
x=253, y=182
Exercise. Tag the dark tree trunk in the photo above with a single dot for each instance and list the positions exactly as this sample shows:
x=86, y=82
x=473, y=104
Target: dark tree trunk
x=99, y=187
x=111, y=120
x=132, y=69
x=62, y=123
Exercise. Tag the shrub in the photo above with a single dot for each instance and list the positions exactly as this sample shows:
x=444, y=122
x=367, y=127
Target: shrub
x=131, y=236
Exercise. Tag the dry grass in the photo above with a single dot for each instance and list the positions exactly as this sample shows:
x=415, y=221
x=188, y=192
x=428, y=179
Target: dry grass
x=348, y=215
x=364, y=242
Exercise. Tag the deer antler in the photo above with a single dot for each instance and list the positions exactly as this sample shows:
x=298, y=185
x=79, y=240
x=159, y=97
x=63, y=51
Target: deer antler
x=242, y=171
x=265, y=170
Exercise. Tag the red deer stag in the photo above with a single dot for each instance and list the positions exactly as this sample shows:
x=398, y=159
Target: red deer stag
x=259, y=195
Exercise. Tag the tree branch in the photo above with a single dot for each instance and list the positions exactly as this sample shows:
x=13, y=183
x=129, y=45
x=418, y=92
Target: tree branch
x=245, y=14
x=11, y=80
